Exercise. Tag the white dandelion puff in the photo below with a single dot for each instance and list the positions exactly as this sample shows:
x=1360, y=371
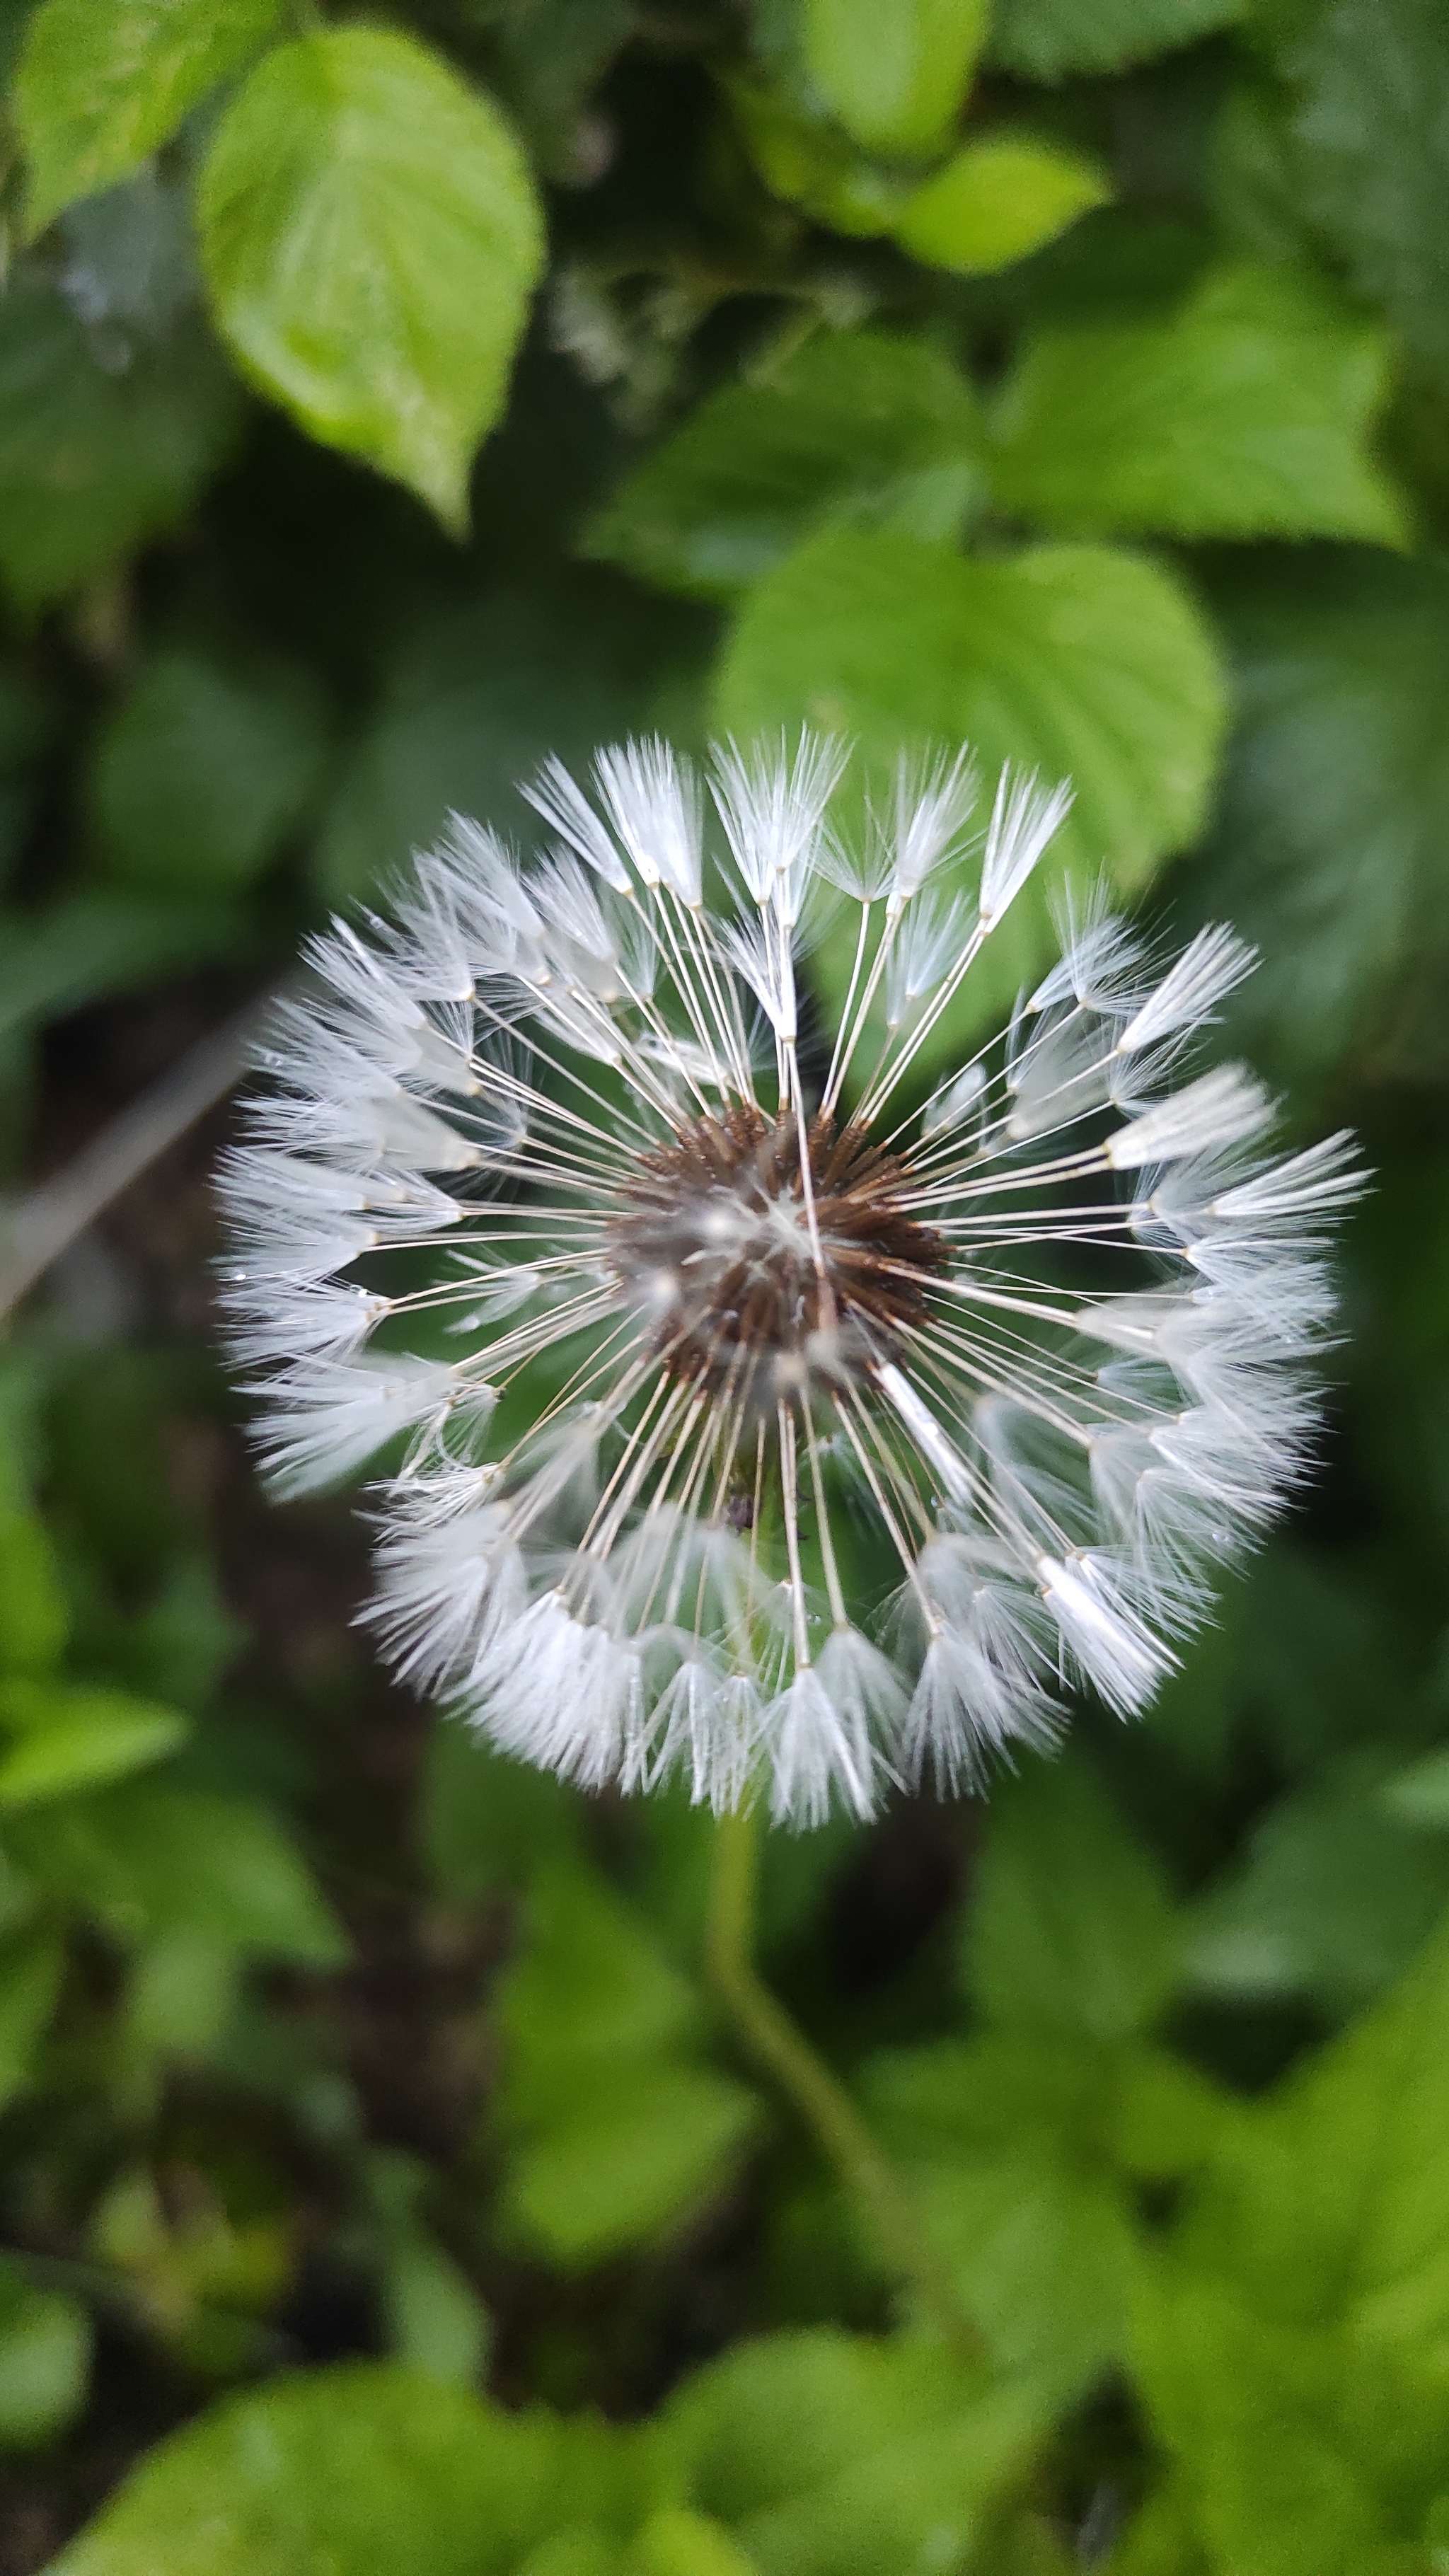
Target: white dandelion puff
x=544, y=1200
x=1024, y=819
x=1187, y=997
x=1221, y=1108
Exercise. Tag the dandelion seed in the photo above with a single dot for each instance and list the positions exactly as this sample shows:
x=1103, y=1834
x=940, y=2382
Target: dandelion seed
x=1044, y=1338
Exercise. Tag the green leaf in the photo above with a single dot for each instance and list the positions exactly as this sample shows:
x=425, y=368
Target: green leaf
x=436, y=2321
x=589, y=1989
x=149, y=1857
x=858, y=426
x=616, y=2131
x=31, y=1968
x=71, y=1739
x=895, y=78
x=1050, y=40
x=34, y=1618
x=1296, y=2353
x=804, y=158
x=1080, y=662
x=1333, y=1900
x=996, y=201
x=1254, y=192
x=365, y=2470
x=1419, y=1795
x=1372, y=153
x=680, y=2543
x=45, y=2359
x=1245, y=415
x=94, y=460
x=1328, y=845
x=1043, y=2255
x=1251, y=2416
x=1006, y=2147
x=102, y=82
x=204, y=771
x=638, y=2148
x=1160, y=2539
x=1070, y=1932
x=1328, y=2210
x=88, y=945
x=370, y=237
x=576, y=2553
x=827, y=2454
x=478, y=699
x=182, y=1997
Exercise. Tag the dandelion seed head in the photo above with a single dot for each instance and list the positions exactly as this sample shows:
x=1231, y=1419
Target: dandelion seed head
x=772, y=1400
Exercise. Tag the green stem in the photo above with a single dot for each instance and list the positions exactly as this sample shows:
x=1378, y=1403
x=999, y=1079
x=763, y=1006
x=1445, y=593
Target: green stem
x=772, y=2039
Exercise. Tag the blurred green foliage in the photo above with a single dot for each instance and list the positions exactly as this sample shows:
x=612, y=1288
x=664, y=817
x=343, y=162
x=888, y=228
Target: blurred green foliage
x=378, y=2185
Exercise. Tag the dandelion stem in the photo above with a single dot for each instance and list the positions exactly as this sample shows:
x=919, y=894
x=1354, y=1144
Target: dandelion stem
x=772, y=2039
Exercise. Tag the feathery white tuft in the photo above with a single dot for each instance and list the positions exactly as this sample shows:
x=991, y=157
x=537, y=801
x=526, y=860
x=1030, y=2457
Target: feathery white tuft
x=546, y=1204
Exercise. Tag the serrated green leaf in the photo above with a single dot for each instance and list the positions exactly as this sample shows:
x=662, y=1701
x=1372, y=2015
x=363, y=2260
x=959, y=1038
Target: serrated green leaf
x=1372, y=155
x=204, y=771
x=1245, y=415
x=895, y=78
x=825, y=2454
x=1007, y=2148
x=65, y=1739
x=1080, y=662
x=34, y=1618
x=636, y=2149
x=857, y=426
x=1251, y=2415
x=589, y=1988
x=1334, y=1897
x=45, y=2355
x=1051, y=40
x=101, y=83
x=996, y=201
x=365, y=2470
x=1043, y=2256
x=1328, y=2209
x=615, y=2131
x=1070, y=1932
x=1328, y=845
x=93, y=461
x=371, y=237
x=150, y=1857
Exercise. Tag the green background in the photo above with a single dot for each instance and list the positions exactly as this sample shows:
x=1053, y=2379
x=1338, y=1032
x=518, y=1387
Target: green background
x=389, y=397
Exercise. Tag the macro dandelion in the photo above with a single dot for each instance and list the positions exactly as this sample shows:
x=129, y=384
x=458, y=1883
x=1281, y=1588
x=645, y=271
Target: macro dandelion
x=764, y=1409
